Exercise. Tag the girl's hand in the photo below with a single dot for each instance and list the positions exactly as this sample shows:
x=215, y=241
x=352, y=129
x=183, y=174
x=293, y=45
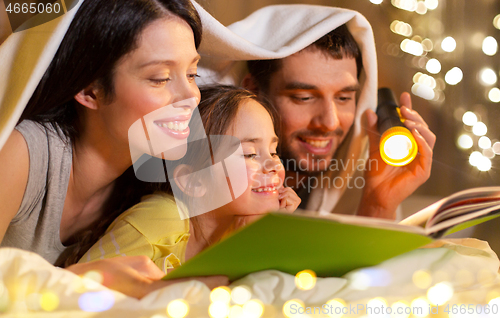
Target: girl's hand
x=289, y=200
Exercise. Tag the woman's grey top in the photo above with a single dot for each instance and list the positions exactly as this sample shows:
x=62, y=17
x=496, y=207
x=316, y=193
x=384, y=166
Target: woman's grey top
x=36, y=225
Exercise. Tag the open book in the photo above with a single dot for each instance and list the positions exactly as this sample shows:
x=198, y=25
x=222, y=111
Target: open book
x=336, y=244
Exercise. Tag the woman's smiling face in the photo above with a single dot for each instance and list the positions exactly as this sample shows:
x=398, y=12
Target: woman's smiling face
x=155, y=92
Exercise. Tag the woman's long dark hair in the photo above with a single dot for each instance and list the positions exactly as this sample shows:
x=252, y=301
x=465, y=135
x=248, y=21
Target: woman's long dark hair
x=101, y=33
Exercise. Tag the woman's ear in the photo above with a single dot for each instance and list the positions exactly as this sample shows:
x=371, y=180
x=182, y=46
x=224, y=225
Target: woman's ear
x=187, y=181
x=88, y=96
x=249, y=83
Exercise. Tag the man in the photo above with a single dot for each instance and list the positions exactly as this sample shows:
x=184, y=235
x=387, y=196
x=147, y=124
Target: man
x=314, y=91
x=325, y=93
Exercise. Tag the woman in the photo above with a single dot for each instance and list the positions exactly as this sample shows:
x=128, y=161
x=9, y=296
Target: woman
x=64, y=169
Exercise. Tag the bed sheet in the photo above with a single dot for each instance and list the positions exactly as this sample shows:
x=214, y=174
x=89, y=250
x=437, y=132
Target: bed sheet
x=454, y=272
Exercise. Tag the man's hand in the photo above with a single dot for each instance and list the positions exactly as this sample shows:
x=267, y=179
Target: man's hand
x=387, y=186
x=136, y=276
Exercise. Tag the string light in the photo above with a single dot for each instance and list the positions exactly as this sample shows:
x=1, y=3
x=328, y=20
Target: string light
x=433, y=66
x=448, y=44
x=454, y=76
x=490, y=46
x=376, y=1
x=465, y=141
x=484, y=142
x=440, y=293
x=412, y=47
x=479, y=129
x=488, y=76
x=494, y=95
x=469, y=118
x=431, y=4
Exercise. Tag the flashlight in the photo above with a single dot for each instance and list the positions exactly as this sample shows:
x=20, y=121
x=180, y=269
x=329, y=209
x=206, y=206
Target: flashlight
x=397, y=145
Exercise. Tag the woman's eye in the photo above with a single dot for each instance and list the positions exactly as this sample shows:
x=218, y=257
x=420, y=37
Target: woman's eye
x=191, y=77
x=299, y=98
x=160, y=81
x=250, y=155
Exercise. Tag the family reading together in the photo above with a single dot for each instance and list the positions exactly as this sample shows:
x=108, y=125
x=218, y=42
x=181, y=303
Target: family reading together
x=69, y=192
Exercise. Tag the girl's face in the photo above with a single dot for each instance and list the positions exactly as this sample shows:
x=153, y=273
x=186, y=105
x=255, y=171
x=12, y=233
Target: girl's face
x=155, y=89
x=254, y=128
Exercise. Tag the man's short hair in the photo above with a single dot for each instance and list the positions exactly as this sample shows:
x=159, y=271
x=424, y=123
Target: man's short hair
x=338, y=44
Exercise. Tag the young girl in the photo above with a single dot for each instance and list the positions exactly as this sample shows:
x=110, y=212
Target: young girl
x=154, y=228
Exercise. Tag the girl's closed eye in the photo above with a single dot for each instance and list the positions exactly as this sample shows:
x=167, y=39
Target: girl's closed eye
x=159, y=81
x=250, y=155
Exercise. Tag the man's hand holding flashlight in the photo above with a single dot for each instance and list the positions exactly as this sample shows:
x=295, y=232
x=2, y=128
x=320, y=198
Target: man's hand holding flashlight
x=387, y=186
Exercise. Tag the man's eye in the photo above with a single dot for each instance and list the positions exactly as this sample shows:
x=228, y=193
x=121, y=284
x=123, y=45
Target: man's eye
x=275, y=155
x=299, y=98
x=250, y=155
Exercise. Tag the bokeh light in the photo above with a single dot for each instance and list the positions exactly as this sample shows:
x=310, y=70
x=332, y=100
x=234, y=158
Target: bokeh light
x=496, y=148
x=431, y=4
x=422, y=279
x=488, y=76
x=479, y=129
x=408, y=5
x=222, y=294
x=241, y=294
x=402, y=28
x=49, y=301
x=490, y=46
x=449, y=44
x=96, y=301
x=484, y=164
x=421, y=8
x=305, y=279
x=253, y=309
x=420, y=307
x=412, y=47
x=336, y=306
x=400, y=309
x=484, y=142
x=433, y=66
x=475, y=158
x=469, y=118
x=376, y=1
x=496, y=21
x=494, y=95
x=440, y=293
x=236, y=311
x=454, y=76
x=291, y=307
x=465, y=142
x=218, y=309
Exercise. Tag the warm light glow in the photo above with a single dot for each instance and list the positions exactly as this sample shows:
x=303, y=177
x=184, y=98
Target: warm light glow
x=49, y=301
x=422, y=279
x=475, y=158
x=488, y=76
x=241, y=294
x=178, y=308
x=489, y=153
x=496, y=148
x=337, y=306
x=218, y=309
x=408, y=5
x=92, y=280
x=236, y=311
x=412, y=47
x=464, y=142
x=421, y=8
x=376, y=1
x=440, y=293
x=484, y=142
x=420, y=307
x=402, y=308
x=469, y=118
x=377, y=302
x=397, y=147
x=402, y=28
x=423, y=91
x=253, y=309
x=496, y=21
x=287, y=307
x=490, y=46
x=427, y=45
x=420, y=78
x=484, y=164
x=222, y=294
x=433, y=66
x=494, y=95
x=305, y=279
x=431, y=4
x=449, y=44
x=479, y=129
x=454, y=76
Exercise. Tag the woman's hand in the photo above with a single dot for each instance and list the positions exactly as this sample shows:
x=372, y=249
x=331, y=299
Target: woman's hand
x=289, y=200
x=136, y=276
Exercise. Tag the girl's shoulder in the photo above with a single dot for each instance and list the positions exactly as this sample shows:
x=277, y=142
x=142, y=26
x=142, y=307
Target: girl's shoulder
x=156, y=215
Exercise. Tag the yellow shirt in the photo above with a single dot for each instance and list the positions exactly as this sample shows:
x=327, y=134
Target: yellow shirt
x=152, y=227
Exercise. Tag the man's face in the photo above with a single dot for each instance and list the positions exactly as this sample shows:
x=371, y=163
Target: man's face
x=315, y=96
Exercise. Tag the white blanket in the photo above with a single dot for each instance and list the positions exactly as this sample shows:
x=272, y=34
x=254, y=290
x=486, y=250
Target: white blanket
x=469, y=267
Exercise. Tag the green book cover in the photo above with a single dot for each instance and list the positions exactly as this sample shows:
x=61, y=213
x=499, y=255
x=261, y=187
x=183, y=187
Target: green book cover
x=291, y=243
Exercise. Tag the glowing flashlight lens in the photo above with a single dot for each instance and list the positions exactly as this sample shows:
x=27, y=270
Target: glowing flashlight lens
x=397, y=147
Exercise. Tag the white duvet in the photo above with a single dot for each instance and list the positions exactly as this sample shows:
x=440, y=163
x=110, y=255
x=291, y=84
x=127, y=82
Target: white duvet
x=31, y=287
